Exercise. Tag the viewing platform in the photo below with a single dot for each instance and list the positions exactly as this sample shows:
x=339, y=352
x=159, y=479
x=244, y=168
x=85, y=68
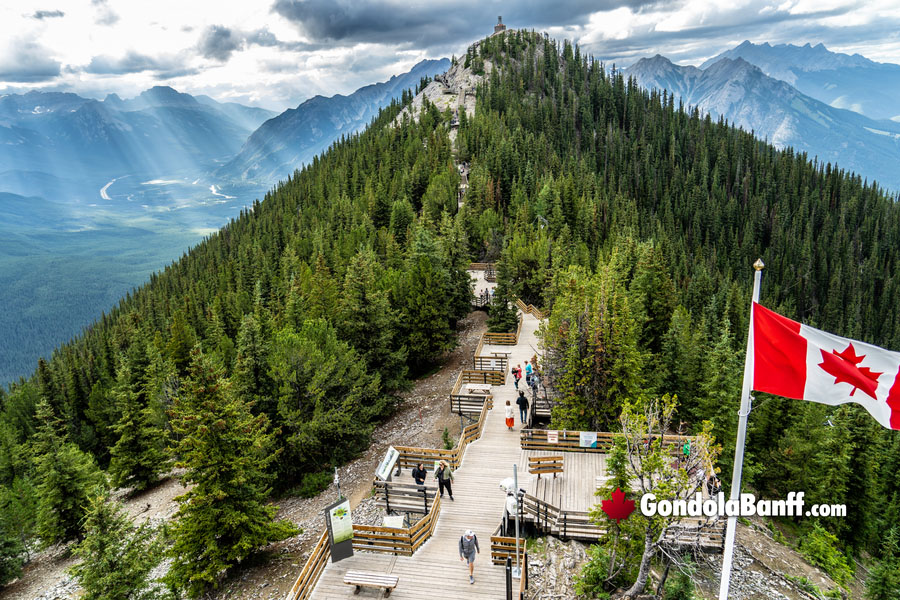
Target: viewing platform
x=557, y=472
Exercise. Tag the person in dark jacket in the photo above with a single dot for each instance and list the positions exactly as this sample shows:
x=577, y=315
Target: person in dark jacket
x=468, y=548
x=522, y=402
x=419, y=473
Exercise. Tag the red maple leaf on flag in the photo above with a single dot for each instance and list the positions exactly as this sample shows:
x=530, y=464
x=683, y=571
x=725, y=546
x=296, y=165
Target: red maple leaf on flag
x=618, y=508
x=844, y=367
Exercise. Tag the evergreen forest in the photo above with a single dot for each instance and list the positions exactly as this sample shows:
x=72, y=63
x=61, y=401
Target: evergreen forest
x=632, y=220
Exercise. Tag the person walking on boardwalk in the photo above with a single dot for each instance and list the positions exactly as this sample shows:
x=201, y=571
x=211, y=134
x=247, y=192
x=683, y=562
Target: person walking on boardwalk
x=522, y=402
x=445, y=477
x=517, y=374
x=419, y=474
x=510, y=416
x=468, y=548
x=528, y=371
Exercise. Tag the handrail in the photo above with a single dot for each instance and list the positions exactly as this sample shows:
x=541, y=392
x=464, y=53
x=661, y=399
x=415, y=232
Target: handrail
x=312, y=570
x=569, y=441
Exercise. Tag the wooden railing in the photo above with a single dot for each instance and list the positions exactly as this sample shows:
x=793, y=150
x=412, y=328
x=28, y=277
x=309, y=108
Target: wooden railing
x=495, y=362
x=411, y=456
x=312, y=570
x=462, y=401
x=480, y=266
x=530, y=309
x=397, y=540
x=404, y=496
x=503, y=547
x=565, y=524
x=569, y=441
x=502, y=339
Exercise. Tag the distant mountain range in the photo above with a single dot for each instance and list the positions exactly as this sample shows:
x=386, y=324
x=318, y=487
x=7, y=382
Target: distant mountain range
x=776, y=111
x=294, y=137
x=840, y=80
x=161, y=130
x=96, y=195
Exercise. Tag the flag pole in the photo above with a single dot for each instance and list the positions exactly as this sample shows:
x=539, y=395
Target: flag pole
x=743, y=413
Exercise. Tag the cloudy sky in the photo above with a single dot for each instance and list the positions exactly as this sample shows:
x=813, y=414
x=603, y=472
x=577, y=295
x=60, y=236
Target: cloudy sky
x=276, y=53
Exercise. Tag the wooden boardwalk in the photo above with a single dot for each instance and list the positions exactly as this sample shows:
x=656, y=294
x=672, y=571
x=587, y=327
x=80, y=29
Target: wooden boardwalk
x=435, y=569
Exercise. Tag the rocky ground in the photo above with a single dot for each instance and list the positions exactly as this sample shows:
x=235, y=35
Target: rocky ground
x=760, y=566
x=420, y=421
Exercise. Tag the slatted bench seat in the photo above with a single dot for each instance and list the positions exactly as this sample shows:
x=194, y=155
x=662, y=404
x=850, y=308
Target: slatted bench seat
x=362, y=579
x=545, y=464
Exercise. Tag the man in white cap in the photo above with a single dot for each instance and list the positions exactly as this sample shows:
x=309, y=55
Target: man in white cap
x=468, y=548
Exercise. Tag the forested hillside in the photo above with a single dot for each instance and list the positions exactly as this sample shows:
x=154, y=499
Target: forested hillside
x=639, y=223
x=634, y=222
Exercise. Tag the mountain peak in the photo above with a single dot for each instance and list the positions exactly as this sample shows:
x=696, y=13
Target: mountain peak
x=163, y=95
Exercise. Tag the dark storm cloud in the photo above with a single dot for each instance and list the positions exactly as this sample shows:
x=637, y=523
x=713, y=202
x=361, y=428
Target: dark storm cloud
x=28, y=62
x=430, y=23
x=218, y=42
x=131, y=62
x=40, y=15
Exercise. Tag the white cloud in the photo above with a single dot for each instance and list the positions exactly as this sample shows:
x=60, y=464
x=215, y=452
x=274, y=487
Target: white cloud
x=259, y=55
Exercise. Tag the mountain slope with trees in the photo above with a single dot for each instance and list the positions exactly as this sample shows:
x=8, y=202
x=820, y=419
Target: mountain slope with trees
x=630, y=220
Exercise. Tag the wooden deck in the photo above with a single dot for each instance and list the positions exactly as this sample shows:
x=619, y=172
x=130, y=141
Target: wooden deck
x=435, y=569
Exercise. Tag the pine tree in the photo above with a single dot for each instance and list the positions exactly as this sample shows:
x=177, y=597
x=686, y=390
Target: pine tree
x=368, y=322
x=225, y=451
x=424, y=311
x=11, y=551
x=251, y=381
x=66, y=478
x=116, y=556
x=139, y=456
x=502, y=314
x=883, y=582
x=181, y=340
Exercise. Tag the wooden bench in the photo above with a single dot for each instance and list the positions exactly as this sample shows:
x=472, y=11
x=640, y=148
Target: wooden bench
x=362, y=579
x=545, y=464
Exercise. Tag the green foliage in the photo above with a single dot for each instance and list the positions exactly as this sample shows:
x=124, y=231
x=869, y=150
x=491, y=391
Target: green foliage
x=821, y=549
x=591, y=582
x=66, y=479
x=18, y=511
x=327, y=399
x=225, y=451
x=313, y=484
x=116, y=556
x=680, y=585
x=502, y=314
x=883, y=582
x=445, y=439
x=11, y=554
x=139, y=456
x=591, y=351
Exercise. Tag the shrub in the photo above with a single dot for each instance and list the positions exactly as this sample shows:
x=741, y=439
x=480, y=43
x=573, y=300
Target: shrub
x=313, y=484
x=820, y=549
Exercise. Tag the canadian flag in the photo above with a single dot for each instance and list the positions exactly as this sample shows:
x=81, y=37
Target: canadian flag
x=796, y=361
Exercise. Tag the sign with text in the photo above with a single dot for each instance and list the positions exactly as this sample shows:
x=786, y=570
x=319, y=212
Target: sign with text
x=340, y=529
x=552, y=437
x=587, y=439
x=387, y=464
